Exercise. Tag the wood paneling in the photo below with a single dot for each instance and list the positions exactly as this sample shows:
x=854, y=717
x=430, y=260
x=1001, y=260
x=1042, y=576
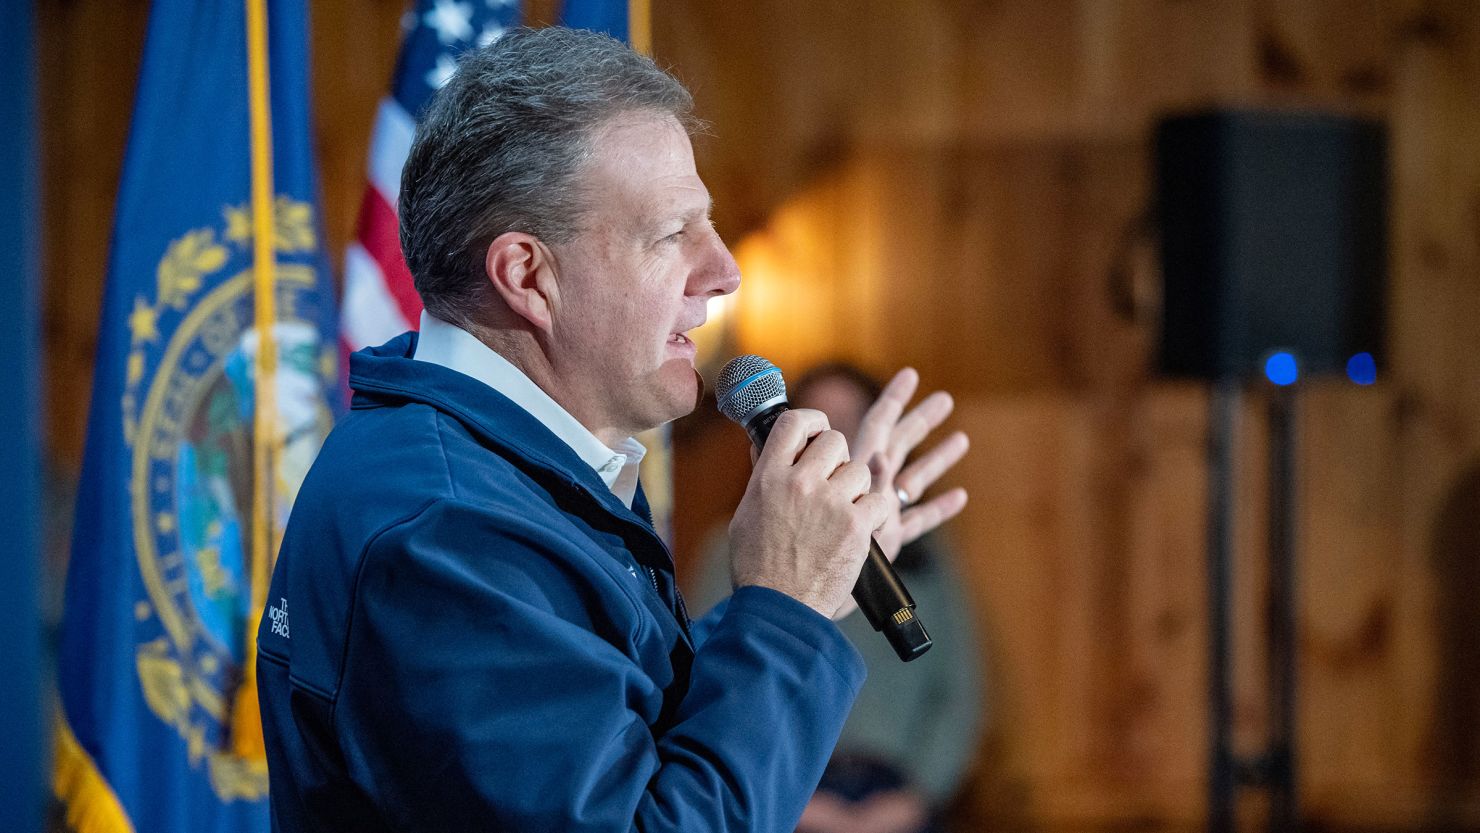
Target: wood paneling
x=974, y=235
x=87, y=63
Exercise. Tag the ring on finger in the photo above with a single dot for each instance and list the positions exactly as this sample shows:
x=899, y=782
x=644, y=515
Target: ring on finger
x=904, y=497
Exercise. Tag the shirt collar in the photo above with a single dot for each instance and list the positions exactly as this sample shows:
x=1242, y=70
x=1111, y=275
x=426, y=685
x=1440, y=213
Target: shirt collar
x=454, y=348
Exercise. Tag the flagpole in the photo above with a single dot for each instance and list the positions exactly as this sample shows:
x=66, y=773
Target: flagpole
x=640, y=25
x=246, y=723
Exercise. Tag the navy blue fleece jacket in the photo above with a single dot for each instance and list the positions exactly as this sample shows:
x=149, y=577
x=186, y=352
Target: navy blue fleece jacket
x=467, y=631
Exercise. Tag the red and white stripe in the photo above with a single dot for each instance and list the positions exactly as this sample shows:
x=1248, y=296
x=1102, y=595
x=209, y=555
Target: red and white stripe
x=380, y=301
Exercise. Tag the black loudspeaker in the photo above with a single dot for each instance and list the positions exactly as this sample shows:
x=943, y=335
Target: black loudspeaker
x=1273, y=238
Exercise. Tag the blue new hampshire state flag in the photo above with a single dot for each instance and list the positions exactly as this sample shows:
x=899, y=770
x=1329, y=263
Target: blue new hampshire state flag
x=216, y=283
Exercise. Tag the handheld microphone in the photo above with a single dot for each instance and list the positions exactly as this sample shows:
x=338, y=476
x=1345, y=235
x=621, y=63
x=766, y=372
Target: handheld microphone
x=752, y=393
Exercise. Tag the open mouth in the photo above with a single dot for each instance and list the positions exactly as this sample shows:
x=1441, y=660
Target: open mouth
x=681, y=345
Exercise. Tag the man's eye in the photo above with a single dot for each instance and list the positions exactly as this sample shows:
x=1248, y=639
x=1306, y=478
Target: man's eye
x=674, y=237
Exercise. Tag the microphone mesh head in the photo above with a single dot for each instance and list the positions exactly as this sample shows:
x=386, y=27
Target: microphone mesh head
x=746, y=382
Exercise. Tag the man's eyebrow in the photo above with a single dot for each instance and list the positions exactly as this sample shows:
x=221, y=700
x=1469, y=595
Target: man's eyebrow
x=694, y=213
x=685, y=214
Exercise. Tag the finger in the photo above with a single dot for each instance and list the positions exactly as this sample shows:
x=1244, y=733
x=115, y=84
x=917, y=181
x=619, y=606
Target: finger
x=789, y=437
x=920, y=421
x=877, y=509
x=918, y=476
x=852, y=479
x=878, y=423
x=882, y=476
x=823, y=455
x=923, y=517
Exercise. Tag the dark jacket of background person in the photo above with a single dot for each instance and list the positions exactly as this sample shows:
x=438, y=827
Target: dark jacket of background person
x=494, y=641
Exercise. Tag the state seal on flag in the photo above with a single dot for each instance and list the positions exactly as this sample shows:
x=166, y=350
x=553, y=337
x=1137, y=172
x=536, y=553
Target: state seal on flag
x=188, y=404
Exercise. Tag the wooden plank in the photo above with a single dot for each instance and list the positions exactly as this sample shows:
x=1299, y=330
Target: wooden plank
x=87, y=56
x=1435, y=122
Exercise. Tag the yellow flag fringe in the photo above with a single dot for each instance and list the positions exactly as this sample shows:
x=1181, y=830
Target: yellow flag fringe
x=91, y=805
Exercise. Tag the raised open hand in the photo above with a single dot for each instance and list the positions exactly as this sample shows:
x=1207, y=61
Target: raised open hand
x=885, y=438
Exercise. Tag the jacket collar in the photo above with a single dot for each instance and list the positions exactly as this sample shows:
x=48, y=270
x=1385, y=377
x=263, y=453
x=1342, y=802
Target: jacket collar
x=388, y=375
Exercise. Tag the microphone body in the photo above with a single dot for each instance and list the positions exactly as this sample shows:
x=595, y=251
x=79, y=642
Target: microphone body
x=883, y=598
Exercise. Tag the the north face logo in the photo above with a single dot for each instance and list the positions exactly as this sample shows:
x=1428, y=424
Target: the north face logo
x=279, y=617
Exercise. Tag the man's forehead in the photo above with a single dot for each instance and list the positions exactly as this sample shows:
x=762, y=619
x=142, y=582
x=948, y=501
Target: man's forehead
x=642, y=125
x=649, y=156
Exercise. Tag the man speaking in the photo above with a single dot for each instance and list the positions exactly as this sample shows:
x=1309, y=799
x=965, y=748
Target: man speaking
x=472, y=625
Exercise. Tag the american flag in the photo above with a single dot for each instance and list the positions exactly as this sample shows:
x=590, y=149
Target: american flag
x=380, y=301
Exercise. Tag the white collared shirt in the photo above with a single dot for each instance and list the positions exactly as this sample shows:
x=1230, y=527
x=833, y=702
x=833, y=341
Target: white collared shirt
x=457, y=349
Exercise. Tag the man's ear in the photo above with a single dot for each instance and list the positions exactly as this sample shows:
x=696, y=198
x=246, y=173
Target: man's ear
x=522, y=271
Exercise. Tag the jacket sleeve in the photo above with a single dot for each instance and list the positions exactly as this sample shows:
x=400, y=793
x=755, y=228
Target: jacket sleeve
x=492, y=681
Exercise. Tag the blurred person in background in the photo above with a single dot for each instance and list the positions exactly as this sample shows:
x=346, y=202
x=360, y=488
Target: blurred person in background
x=907, y=743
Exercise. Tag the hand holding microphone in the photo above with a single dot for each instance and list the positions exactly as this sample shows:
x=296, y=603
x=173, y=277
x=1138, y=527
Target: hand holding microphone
x=803, y=525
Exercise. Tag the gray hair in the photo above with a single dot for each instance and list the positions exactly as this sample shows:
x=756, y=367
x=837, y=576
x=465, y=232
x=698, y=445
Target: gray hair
x=501, y=148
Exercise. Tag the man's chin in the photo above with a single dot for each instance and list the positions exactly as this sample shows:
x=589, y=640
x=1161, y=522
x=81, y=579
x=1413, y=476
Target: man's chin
x=682, y=390
x=698, y=390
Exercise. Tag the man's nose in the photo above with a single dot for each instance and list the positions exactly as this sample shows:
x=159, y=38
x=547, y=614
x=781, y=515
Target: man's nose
x=719, y=274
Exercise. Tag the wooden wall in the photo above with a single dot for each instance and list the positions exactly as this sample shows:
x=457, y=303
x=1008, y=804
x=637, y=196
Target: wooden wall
x=948, y=184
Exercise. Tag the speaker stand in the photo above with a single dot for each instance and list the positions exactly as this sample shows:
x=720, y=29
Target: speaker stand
x=1275, y=769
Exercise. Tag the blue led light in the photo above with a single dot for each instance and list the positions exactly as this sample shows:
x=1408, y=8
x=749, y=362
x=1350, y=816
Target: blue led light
x=1281, y=368
x=1362, y=369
